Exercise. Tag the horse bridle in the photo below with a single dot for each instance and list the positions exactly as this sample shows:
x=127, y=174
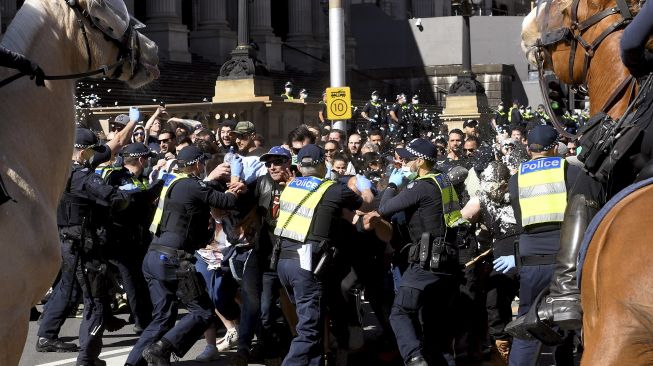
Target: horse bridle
x=574, y=35
x=129, y=47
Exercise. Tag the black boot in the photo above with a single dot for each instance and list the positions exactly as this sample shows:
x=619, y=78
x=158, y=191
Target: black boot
x=562, y=305
x=158, y=353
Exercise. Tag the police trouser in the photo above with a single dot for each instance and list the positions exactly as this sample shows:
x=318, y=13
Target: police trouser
x=305, y=291
x=161, y=273
x=420, y=314
x=75, y=275
x=532, y=280
x=128, y=258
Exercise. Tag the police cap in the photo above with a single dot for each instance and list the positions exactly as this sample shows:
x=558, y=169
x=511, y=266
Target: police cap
x=542, y=138
x=85, y=138
x=135, y=150
x=288, y=84
x=418, y=148
x=190, y=155
x=310, y=155
x=375, y=92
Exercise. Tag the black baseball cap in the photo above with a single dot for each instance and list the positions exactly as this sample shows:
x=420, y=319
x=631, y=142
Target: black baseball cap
x=135, y=150
x=310, y=155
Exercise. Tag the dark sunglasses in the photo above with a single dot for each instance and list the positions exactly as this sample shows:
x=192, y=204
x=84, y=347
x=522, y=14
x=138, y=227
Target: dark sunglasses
x=470, y=150
x=166, y=140
x=277, y=162
x=139, y=133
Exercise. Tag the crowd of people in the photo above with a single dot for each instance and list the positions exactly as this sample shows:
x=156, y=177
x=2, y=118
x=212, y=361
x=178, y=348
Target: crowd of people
x=281, y=246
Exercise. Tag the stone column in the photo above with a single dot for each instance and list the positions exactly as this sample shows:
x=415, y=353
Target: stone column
x=213, y=39
x=350, y=41
x=165, y=28
x=423, y=8
x=260, y=27
x=300, y=36
x=8, y=12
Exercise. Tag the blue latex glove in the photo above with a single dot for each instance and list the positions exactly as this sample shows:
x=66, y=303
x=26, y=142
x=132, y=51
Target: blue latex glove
x=134, y=114
x=251, y=170
x=504, y=263
x=397, y=177
x=362, y=183
x=236, y=166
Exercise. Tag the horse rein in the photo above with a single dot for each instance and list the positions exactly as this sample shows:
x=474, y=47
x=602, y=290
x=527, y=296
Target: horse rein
x=574, y=35
x=128, y=47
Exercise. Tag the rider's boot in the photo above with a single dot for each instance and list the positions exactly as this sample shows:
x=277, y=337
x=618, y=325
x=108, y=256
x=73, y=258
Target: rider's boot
x=562, y=305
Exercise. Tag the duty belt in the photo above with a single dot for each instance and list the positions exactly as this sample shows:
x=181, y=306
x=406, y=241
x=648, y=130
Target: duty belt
x=166, y=250
x=538, y=260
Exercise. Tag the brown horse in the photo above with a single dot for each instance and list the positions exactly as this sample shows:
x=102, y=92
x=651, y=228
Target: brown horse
x=616, y=296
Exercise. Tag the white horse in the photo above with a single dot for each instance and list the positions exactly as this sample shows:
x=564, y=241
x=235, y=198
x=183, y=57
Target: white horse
x=36, y=141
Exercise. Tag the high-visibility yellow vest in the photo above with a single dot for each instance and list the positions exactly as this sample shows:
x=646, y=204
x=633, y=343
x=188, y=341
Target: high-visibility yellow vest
x=542, y=191
x=294, y=221
x=106, y=171
x=510, y=113
x=450, y=203
x=169, y=179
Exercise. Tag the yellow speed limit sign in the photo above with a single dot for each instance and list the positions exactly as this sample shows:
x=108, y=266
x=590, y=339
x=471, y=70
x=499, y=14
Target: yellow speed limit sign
x=338, y=101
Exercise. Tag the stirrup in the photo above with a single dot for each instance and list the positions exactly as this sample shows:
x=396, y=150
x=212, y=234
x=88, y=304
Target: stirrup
x=529, y=326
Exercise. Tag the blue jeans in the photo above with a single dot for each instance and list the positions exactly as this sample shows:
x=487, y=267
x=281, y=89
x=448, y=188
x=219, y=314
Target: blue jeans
x=250, y=294
x=305, y=291
x=222, y=289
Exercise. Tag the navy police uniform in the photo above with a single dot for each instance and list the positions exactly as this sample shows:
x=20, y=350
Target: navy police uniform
x=307, y=225
x=83, y=264
x=421, y=288
x=128, y=233
x=180, y=225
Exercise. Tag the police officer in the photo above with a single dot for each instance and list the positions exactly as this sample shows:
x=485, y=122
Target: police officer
x=374, y=112
x=180, y=226
x=309, y=214
x=428, y=285
x=287, y=94
x=500, y=117
x=397, y=117
x=83, y=263
x=128, y=233
x=538, y=194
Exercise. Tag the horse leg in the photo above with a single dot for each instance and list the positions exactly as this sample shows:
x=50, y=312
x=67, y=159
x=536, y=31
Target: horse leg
x=13, y=338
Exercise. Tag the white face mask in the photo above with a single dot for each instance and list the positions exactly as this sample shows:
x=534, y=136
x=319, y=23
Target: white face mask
x=500, y=108
x=415, y=101
x=288, y=90
x=375, y=98
x=303, y=96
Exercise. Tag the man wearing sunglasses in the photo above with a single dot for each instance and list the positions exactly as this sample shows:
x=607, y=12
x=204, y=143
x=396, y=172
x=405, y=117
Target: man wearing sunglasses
x=267, y=193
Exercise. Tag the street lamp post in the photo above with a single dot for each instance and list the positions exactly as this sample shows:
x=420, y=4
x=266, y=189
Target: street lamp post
x=466, y=82
x=243, y=60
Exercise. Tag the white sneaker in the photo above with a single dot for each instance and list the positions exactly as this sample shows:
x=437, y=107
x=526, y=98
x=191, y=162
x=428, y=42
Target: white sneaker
x=210, y=353
x=229, y=341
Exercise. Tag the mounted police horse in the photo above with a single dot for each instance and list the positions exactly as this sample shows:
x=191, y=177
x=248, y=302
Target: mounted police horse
x=68, y=39
x=579, y=40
